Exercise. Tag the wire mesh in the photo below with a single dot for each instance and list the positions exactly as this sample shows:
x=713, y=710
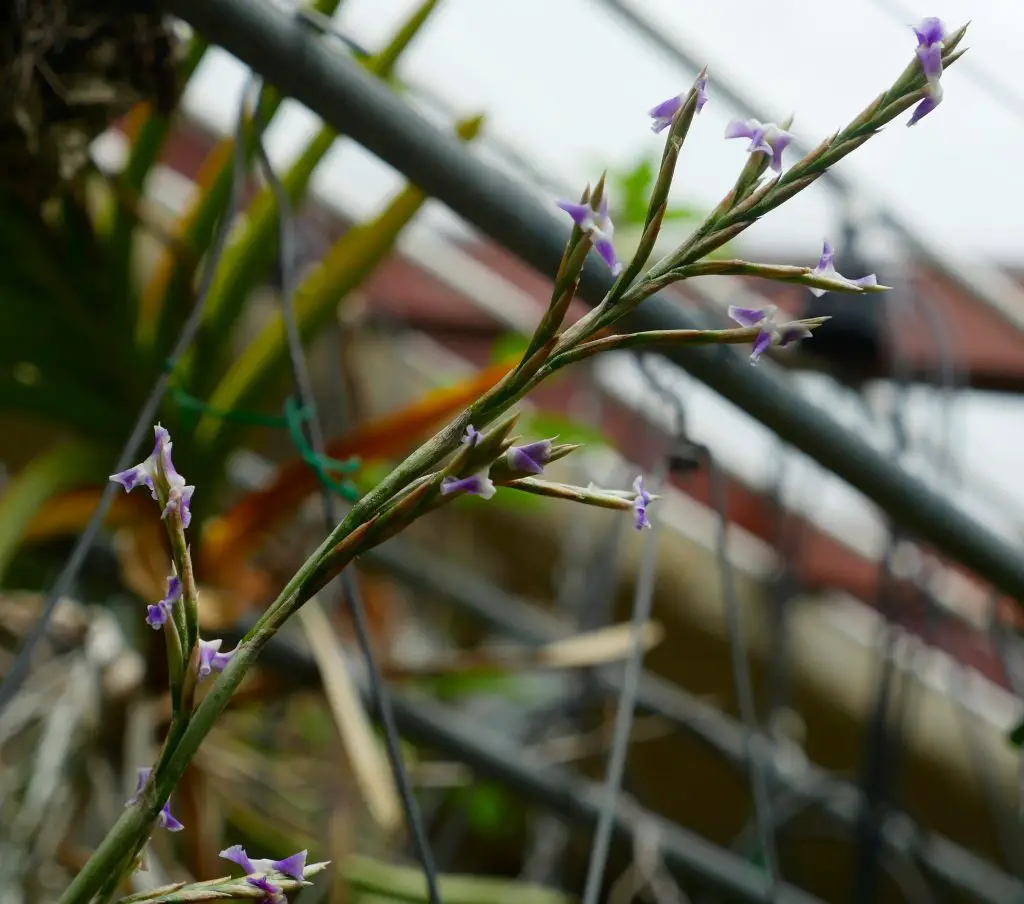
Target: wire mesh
x=774, y=805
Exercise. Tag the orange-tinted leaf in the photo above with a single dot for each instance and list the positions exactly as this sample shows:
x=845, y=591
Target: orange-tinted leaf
x=134, y=120
x=69, y=512
x=229, y=540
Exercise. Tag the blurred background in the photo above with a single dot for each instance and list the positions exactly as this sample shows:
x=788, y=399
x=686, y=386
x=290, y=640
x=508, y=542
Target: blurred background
x=886, y=676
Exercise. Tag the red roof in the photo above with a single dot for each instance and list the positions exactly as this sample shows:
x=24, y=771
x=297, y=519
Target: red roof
x=988, y=351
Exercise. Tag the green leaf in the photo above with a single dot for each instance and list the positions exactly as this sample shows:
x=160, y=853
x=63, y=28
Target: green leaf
x=681, y=213
x=509, y=345
x=405, y=883
x=483, y=681
x=246, y=262
x=544, y=425
x=487, y=807
x=73, y=464
x=347, y=265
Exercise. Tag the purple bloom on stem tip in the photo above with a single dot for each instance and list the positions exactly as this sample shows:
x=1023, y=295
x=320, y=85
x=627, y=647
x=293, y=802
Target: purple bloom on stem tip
x=598, y=225
x=179, y=496
x=144, y=473
x=211, y=659
x=765, y=138
x=158, y=613
x=166, y=820
x=292, y=866
x=475, y=485
x=640, y=503
x=663, y=114
x=472, y=436
x=159, y=467
x=930, y=35
x=530, y=458
x=771, y=332
x=826, y=267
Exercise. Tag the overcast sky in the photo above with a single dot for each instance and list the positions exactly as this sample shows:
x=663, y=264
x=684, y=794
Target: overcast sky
x=568, y=85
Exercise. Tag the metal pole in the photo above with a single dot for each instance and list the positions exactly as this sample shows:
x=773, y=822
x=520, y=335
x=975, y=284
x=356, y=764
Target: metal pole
x=288, y=53
x=444, y=729
x=512, y=616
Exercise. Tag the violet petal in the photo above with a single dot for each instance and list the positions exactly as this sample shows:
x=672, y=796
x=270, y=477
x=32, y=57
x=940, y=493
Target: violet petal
x=607, y=251
x=292, y=866
x=581, y=214
x=236, y=854
x=746, y=317
x=761, y=343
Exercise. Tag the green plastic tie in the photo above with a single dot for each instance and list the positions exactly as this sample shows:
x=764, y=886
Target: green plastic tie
x=323, y=466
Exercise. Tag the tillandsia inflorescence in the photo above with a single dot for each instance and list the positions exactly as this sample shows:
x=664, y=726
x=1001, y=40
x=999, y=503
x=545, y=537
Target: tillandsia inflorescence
x=476, y=454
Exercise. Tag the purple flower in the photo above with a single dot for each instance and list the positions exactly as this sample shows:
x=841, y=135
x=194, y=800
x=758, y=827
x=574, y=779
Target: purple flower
x=472, y=436
x=211, y=659
x=159, y=474
x=765, y=138
x=530, y=458
x=826, y=268
x=640, y=503
x=598, y=225
x=158, y=613
x=165, y=819
x=771, y=331
x=145, y=473
x=930, y=35
x=926, y=106
x=663, y=114
x=292, y=866
x=271, y=892
x=475, y=485
x=179, y=496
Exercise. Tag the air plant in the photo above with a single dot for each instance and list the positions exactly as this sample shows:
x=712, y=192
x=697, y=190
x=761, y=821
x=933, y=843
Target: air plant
x=476, y=453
